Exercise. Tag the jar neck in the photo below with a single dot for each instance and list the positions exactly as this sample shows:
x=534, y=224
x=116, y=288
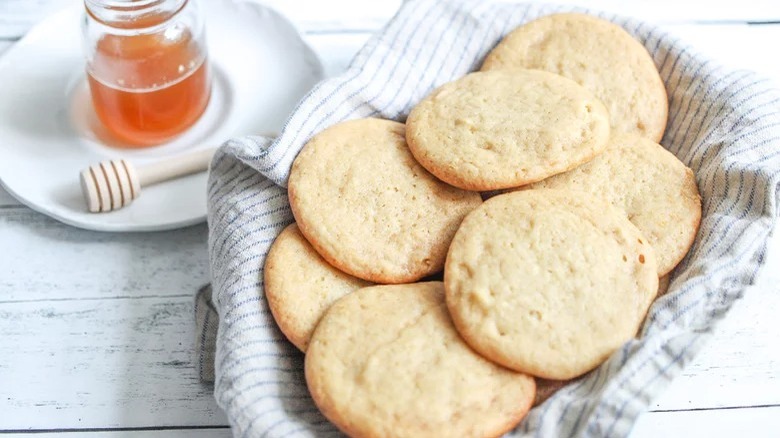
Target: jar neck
x=133, y=14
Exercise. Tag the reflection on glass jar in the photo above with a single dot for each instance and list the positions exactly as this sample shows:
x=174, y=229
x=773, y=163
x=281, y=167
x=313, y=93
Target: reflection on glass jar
x=146, y=66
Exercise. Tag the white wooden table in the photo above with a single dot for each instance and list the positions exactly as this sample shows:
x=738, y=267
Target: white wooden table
x=96, y=330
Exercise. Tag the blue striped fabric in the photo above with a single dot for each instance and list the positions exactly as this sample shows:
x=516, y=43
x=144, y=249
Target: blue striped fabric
x=724, y=124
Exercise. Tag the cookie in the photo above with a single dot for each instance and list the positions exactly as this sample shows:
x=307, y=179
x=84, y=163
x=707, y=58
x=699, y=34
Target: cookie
x=364, y=203
x=547, y=388
x=656, y=190
x=300, y=285
x=500, y=129
x=548, y=282
x=598, y=55
x=386, y=361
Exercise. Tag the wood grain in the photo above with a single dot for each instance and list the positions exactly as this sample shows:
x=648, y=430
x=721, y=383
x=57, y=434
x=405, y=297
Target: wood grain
x=752, y=423
x=124, y=362
x=124, y=359
x=739, y=366
x=222, y=432
x=56, y=262
x=97, y=328
x=733, y=45
x=338, y=16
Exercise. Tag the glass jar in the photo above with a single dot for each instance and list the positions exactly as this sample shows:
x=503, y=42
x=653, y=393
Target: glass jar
x=146, y=66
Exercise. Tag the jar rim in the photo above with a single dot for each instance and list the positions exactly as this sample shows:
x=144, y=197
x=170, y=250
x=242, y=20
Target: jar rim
x=133, y=14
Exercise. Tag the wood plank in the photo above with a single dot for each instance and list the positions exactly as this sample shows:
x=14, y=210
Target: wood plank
x=52, y=261
x=728, y=44
x=733, y=45
x=750, y=422
x=102, y=364
x=671, y=11
x=134, y=433
x=739, y=366
x=127, y=362
x=17, y=16
x=336, y=15
x=354, y=14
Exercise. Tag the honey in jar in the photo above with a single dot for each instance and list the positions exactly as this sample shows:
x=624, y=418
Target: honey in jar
x=147, y=67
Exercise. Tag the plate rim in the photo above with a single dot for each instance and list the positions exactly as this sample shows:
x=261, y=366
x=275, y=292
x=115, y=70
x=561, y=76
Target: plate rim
x=311, y=55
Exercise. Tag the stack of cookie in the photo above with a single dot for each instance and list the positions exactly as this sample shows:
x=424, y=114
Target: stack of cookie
x=545, y=279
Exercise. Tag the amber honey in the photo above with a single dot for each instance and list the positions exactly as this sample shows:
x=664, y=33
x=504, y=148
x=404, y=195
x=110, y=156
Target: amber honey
x=148, y=87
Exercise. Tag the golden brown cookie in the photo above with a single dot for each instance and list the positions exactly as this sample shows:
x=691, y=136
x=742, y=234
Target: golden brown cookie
x=386, y=361
x=300, y=285
x=369, y=208
x=598, y=55
x=548, y=282
x=501, y=129
x=655, y=189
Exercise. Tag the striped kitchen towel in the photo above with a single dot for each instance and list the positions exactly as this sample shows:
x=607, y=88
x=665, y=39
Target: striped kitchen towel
x=724, y=124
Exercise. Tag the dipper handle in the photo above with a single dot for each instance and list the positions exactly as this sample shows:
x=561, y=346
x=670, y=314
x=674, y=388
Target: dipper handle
x=113, y=184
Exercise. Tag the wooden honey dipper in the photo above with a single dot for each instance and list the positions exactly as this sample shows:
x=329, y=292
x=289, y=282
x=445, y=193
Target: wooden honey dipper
x=113, y=184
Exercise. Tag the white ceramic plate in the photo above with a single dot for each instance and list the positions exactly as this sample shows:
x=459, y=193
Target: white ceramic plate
x=48, y=130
